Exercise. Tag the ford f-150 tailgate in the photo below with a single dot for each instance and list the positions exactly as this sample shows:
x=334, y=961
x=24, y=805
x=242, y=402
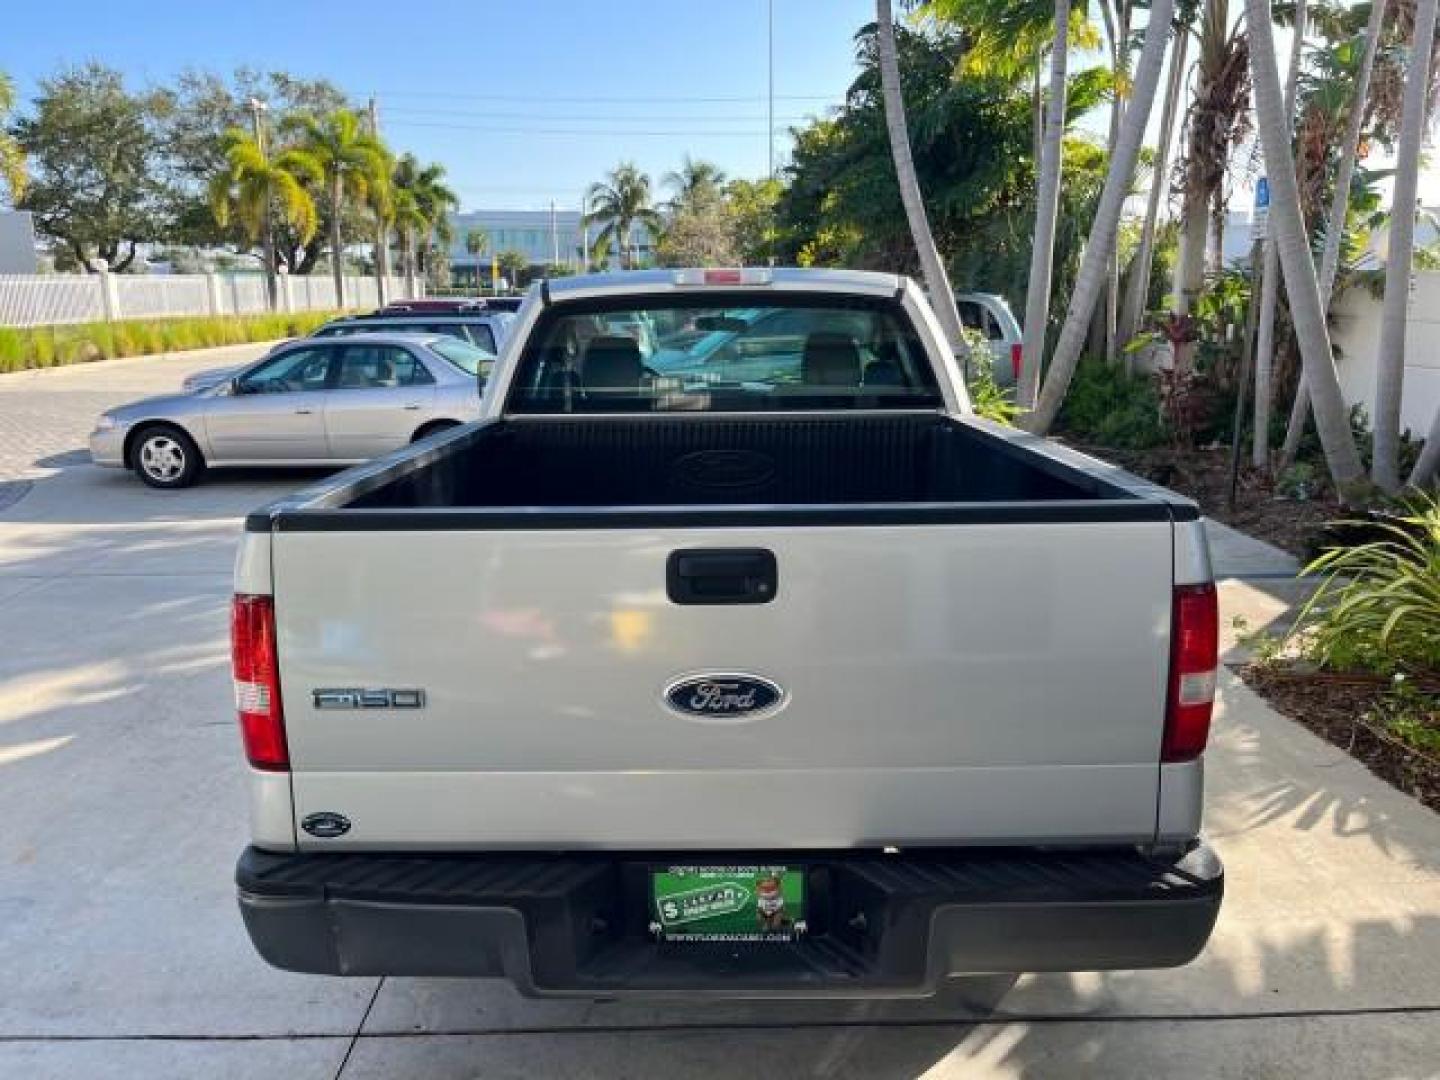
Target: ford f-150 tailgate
x=960, y=682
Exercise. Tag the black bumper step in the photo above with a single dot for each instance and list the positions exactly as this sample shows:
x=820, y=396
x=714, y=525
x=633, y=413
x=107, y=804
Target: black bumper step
x=579, y=924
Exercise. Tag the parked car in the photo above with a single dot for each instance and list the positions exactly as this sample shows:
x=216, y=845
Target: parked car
x=809, y=684
x=307, y=402
x=484, y=329
x=991, y=315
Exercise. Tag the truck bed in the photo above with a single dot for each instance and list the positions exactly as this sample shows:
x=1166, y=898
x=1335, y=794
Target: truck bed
x=778, y=469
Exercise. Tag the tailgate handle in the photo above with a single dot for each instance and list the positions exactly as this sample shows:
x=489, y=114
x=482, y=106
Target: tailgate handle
x=721, y=576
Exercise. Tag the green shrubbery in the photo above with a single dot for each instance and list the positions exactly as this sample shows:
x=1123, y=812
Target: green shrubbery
x=1378, y=606
x=52, y=346
x=1109, y=406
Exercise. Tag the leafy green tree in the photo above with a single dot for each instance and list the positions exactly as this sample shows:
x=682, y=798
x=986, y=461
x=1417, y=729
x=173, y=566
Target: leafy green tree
x=257, y=192
x=617, y=205
x=100, y=183
x=206, y=106
x=352, y=163
x=971, y=139
x=752, y=206
x=12, y=158
x=700, y=232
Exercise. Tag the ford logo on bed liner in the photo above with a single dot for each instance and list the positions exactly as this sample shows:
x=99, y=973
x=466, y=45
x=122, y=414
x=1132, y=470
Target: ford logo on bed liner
x=726, y=696
x=723, y=469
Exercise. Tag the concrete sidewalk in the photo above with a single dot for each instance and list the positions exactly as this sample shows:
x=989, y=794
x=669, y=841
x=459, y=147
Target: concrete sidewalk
x=123, y=811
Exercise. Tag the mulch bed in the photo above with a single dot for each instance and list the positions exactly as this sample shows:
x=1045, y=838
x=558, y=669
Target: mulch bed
x=1204, y=475
x=1333, y=707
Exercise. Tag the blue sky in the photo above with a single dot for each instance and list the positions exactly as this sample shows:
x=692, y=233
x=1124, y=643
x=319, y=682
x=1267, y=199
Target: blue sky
x=523, y=103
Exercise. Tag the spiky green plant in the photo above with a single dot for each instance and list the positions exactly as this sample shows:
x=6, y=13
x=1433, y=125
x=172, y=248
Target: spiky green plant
x=1378, y=605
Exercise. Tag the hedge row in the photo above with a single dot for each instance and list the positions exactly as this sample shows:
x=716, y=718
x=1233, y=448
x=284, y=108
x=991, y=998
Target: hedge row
x=52, y=346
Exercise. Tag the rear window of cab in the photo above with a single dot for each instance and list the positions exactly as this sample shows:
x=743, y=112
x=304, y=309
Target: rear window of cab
x=748, y=352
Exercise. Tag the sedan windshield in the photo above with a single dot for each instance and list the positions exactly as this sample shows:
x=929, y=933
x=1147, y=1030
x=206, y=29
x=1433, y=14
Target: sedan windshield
x=467, y=358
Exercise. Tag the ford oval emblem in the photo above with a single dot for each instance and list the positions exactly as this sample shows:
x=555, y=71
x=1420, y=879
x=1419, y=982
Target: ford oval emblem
x=723, y=470
x=326, y=824
x=724, y=696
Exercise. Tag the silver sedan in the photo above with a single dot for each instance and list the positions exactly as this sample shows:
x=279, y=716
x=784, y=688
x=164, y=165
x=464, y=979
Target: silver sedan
x=307, y=402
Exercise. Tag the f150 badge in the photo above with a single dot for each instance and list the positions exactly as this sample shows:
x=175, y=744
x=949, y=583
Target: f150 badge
x=383, y=698
x=724, y=696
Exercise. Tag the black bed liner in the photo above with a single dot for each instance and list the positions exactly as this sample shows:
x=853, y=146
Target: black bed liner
x=671, y=470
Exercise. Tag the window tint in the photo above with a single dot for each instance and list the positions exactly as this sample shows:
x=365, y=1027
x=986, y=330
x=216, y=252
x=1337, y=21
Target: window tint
x=291, y=371
x=680, y=356
x=378, y=367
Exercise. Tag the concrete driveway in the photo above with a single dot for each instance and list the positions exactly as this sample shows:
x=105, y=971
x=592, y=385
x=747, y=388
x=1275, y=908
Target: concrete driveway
x=121, y=813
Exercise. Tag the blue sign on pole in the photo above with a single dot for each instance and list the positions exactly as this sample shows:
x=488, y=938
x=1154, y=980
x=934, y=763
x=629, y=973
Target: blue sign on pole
x=1260, y=218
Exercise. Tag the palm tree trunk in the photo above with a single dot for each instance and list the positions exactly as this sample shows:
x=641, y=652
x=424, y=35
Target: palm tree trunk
x=1288, y=228
x=1335, y=226
x=407, y=255
x=1190, y=262
x=1139, y=286
x=1390, y=358
x=1270, y=280
x=382, y=261
x=1047, y=207
x=336, y=269
x=942, y=299
x=1106, y=225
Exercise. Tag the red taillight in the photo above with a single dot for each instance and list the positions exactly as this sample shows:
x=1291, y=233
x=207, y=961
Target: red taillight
x=257, y=682
x=1194, y=658
x=723, y=277
x=1016, y=356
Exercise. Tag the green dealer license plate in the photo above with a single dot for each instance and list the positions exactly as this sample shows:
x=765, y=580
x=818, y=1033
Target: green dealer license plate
x=728, y=903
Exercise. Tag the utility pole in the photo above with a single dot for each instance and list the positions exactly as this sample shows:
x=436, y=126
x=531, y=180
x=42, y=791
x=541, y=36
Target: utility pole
x=554, y=236
x=584, y=235
x=382, y=228
x=272, y=292
x=770, y=81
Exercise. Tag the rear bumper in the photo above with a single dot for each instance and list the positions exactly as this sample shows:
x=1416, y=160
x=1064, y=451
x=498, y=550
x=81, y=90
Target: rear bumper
x=576, y=925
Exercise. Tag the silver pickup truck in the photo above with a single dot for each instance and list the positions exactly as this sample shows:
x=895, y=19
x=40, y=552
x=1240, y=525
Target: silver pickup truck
x=727, y=654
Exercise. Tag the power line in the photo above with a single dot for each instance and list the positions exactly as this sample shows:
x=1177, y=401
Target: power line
x=684, y=118
x=677, y=133
x=647, y=99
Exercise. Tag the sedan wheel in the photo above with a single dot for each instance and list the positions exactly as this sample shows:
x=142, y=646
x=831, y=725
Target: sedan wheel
x=166, y=458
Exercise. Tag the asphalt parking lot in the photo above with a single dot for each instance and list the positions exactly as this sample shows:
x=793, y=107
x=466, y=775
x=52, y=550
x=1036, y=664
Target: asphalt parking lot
x=121, y=813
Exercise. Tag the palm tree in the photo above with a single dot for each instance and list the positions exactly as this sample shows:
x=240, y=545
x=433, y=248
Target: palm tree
x=1047, y=208
x=942, y=298
x=381, y=202
x=1217, y=117
x=694, y=180
x=477, y=242
x=434, y=200
x=256, y=191
x=410, y=222
x=1291, y=241
x=1137, y=292
x=617, y=205
x=12, y=158
x=1269, y=277
x=1105, y=228
x=513, y=264
x=353, y=164
x=1390, y=358
x=1339, y=210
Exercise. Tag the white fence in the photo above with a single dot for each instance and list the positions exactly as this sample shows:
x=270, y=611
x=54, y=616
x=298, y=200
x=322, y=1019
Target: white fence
x=56, y=299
